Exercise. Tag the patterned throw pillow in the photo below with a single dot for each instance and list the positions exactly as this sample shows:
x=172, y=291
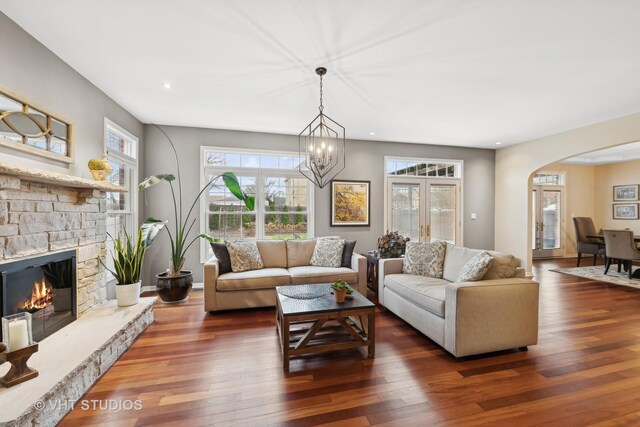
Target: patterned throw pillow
x=327, y=253
x=244, y=255
x=475, y=268
x=424, y=259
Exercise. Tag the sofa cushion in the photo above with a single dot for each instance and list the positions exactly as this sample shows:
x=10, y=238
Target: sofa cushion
x=244, y=255
x=327, y=253
x=253, y=279
x=299, y=252
x=475, y=269
x=347, y=252
x=454, y=259
x=312, y=274
x=426, y=292
x=504, y=266
x=222, y=255
x=424, y=259
x=273, y=253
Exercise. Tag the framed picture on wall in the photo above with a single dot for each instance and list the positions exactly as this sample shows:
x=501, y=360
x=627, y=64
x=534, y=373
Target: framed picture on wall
x=623, y=193
x=350, y=203
x=625, y=211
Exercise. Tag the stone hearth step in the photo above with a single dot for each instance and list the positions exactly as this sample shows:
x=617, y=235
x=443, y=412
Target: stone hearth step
x=71, y=361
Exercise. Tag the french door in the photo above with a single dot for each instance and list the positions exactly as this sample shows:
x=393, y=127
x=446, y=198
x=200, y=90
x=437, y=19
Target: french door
x=547, y=204
x=424, y=209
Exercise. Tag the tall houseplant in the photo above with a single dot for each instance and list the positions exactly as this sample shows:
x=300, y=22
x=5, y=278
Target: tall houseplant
x=128, y=256
x=175, y=284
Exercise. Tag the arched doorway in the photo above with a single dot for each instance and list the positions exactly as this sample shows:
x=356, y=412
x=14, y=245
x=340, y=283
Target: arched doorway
x=515, y=166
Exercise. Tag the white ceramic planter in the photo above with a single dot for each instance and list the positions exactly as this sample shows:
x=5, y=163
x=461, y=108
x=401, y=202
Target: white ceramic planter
x=128, y=294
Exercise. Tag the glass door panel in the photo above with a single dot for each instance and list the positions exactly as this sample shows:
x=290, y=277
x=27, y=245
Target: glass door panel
x=547, y=218
x=424, y=209
x=551, y=202
x=405, y=209
x=442, y=212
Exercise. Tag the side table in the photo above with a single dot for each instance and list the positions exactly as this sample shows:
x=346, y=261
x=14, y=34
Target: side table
x=372, y=271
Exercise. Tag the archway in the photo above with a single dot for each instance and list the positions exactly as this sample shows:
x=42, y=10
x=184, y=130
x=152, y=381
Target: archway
x=516, y=164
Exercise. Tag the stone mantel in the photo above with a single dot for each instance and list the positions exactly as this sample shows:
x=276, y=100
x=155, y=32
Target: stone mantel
x=59, y=179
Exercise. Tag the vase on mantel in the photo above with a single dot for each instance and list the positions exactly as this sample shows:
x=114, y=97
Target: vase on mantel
x=100, y=168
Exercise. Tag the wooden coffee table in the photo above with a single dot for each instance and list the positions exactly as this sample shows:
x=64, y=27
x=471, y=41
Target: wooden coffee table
x=309, y=320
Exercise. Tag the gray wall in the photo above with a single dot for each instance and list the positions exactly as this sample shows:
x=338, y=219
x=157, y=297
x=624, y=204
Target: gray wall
x=31, y=71
x=365, y=160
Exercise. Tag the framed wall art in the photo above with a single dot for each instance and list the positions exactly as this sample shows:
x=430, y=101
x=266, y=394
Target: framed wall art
x=350, y=203
x=622, y=193
x=625, y=211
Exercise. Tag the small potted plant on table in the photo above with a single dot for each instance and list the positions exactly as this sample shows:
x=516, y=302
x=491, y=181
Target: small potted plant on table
x=341, y=289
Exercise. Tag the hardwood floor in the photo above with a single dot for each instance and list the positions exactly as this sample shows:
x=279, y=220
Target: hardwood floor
x=194, y=369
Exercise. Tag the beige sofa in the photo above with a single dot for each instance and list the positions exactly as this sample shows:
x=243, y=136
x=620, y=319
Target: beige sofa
x=499, y=312
x=285, y=263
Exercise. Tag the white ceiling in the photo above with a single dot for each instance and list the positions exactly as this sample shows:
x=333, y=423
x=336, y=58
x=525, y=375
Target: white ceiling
x=621, y=153
x=469, y=73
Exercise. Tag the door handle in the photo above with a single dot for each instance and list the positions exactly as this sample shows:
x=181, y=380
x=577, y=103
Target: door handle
x=428, y=230
x=421, y=231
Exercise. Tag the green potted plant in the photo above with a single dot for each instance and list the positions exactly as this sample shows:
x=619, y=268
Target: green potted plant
x=340, y=290
x=175, y=284
x=128, y=256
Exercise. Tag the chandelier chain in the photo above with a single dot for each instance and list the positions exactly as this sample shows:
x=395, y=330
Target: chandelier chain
x=321, y=107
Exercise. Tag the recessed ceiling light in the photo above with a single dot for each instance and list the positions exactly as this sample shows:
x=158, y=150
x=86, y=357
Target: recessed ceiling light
x=372, y=133
x=498, y=143
x=166, y=85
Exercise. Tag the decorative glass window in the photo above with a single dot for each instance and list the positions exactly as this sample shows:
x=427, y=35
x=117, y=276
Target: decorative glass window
x=424, y=168
x=29, y=129
x=548, y=178
x=283, y=196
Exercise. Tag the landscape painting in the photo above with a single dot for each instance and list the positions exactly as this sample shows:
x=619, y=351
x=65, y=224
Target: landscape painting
x=350, y=204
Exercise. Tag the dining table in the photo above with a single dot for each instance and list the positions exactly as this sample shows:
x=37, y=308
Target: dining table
x=636, y=238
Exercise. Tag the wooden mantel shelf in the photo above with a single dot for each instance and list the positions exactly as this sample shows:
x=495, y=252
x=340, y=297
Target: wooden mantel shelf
x=54, y=178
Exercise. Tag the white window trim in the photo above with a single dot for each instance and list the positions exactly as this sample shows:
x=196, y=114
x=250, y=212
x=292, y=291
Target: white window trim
x=132, y=162
x=420, y=160
x=259, y=206
x=561, y=174
x=460, y=180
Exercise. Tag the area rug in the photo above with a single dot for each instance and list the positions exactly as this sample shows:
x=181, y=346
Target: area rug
x=597, y=273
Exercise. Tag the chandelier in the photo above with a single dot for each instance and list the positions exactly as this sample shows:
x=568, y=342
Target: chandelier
x=321, y=146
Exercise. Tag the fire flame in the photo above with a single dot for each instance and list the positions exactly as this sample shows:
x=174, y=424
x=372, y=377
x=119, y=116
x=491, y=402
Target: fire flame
x=41, y=297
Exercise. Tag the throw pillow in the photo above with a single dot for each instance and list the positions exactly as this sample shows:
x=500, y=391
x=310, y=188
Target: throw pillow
x=327, y=253
x=224, y=262
x=244, y=255
x=424, y=259
x=347, y=252
x=475, y=269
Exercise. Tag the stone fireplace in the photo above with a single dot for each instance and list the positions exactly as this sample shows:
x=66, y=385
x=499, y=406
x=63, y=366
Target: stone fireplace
x=48, y=218
x=47, y=213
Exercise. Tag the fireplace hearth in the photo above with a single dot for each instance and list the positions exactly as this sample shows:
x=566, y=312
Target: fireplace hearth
x=44, y=286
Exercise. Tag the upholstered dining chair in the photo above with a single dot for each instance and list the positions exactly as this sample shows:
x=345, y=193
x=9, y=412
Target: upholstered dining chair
x=620, y=245
x=587, y=245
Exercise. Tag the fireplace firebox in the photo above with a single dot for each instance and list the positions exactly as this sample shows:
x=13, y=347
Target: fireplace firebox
x=44, y=286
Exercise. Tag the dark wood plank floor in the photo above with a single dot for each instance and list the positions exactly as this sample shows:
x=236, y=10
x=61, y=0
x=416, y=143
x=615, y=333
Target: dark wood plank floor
x=194, y=369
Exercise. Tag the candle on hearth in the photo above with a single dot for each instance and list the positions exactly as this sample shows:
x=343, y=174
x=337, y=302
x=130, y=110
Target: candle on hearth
x=16, y=331
x=18, y=335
